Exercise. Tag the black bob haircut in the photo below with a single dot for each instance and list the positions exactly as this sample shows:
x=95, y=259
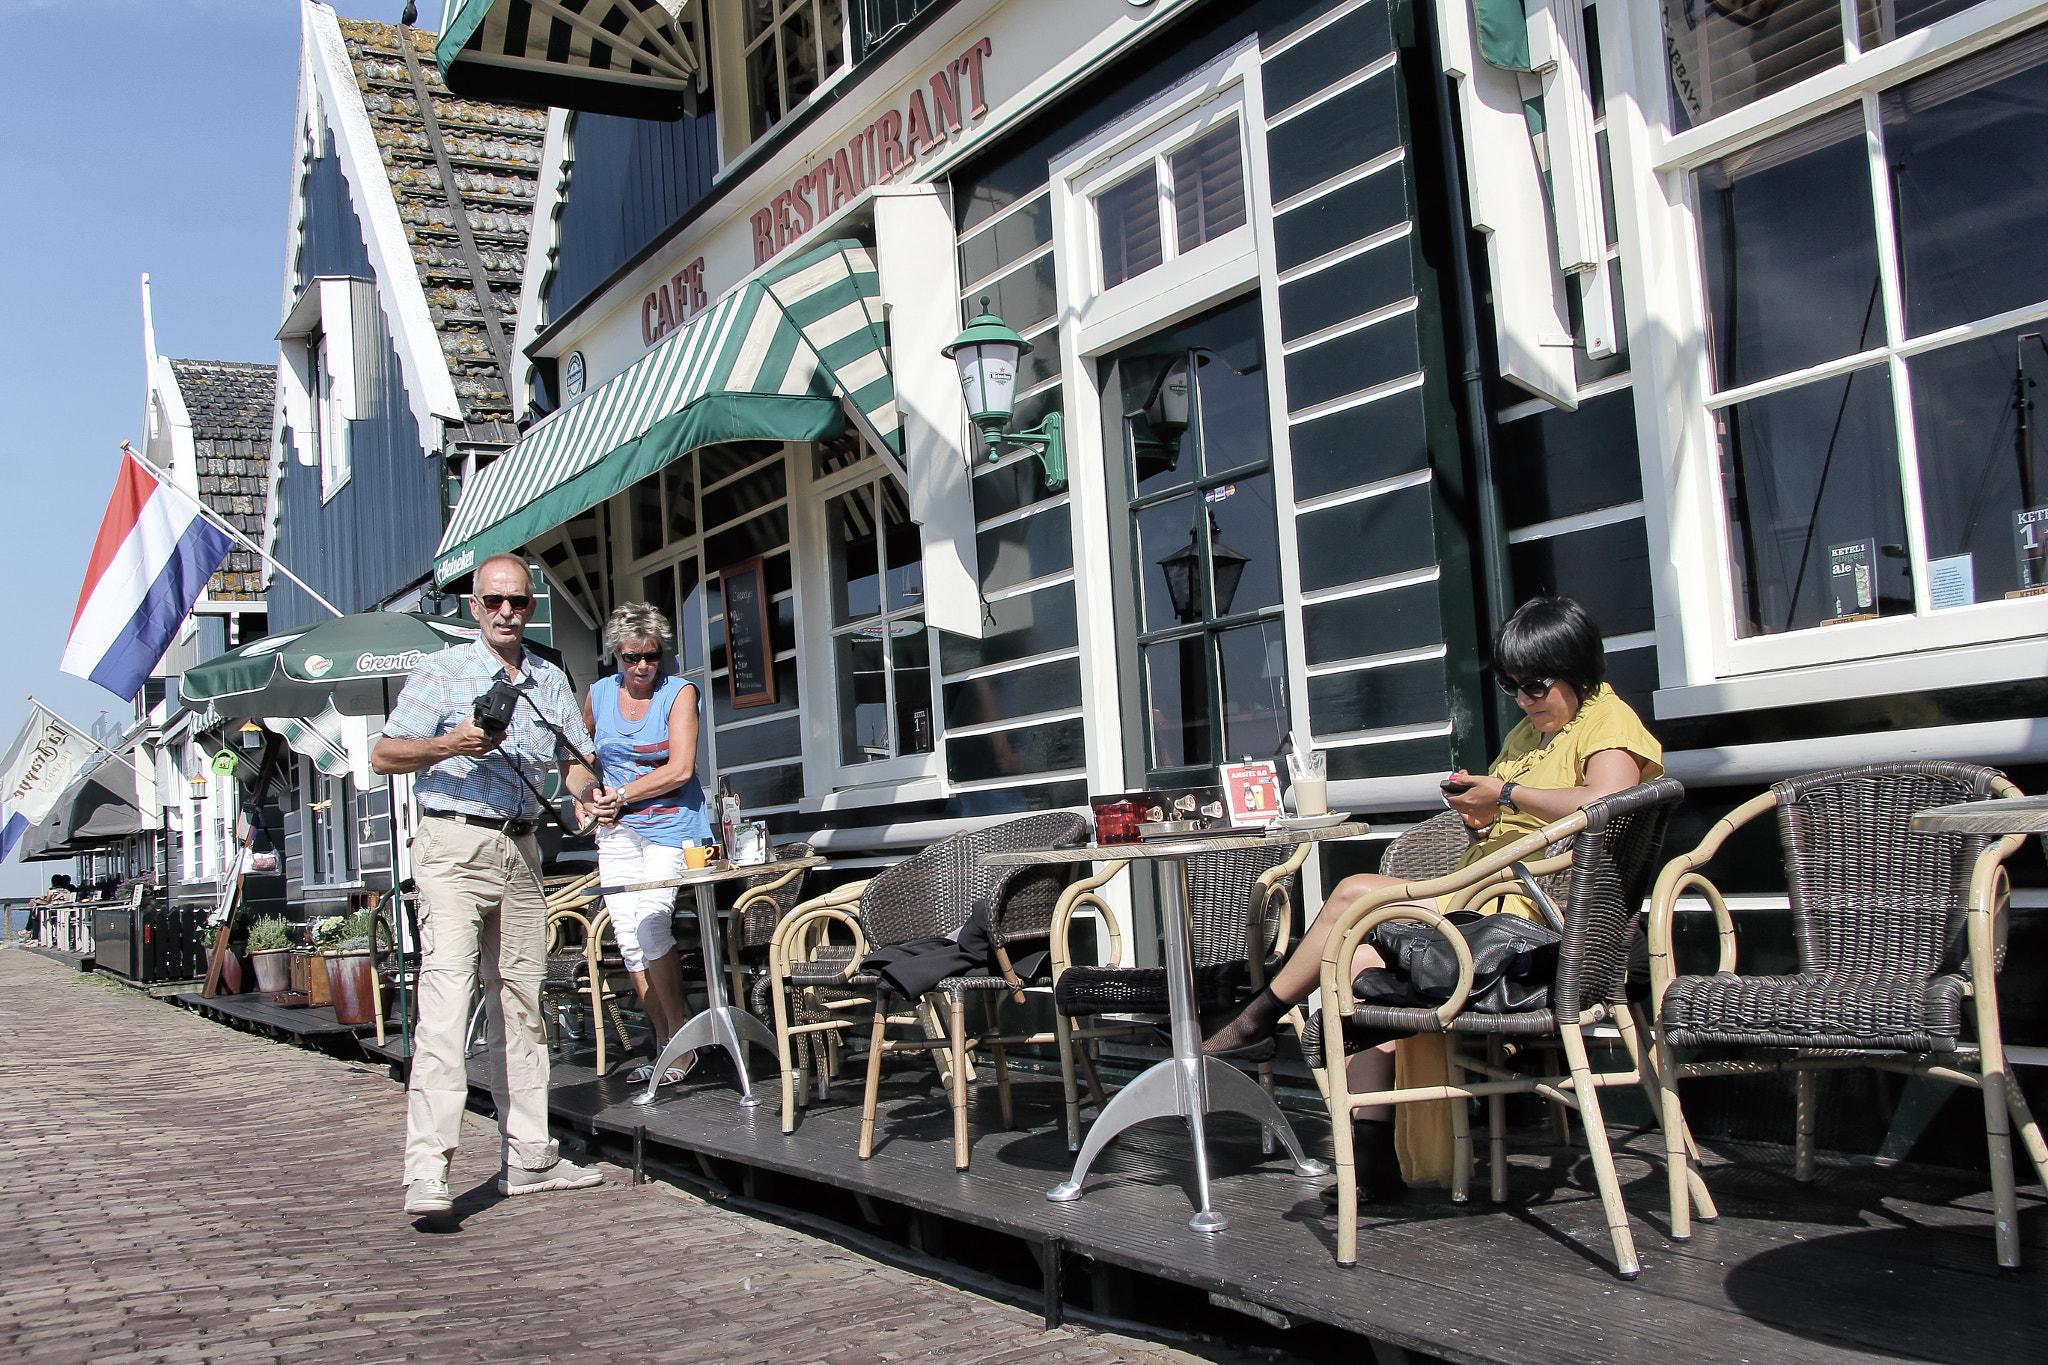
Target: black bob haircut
x=1552, y=637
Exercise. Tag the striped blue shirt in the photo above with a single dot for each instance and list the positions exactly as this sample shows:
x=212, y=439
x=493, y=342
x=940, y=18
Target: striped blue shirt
x=441, y=693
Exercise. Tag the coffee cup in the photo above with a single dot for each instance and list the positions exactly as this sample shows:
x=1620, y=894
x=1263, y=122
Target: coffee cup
x=696, y=859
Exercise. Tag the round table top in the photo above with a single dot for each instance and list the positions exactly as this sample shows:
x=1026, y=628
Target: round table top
x=2002, y=815
x=706, y=875
x=1182, y=846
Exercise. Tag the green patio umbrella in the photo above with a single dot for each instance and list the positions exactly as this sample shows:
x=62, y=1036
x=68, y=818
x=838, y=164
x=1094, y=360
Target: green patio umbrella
x=350, y=661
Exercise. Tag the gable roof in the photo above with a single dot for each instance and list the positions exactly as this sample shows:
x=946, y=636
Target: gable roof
x=229, y=404
x=493, y=155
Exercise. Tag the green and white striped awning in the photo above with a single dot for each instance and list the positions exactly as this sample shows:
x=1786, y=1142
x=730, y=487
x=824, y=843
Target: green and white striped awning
x=770, y=361
x=638, y=58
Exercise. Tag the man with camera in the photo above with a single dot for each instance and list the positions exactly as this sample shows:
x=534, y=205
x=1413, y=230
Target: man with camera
x=480, y=723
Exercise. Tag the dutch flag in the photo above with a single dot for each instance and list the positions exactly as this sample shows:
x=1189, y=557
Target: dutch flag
x=155, y=552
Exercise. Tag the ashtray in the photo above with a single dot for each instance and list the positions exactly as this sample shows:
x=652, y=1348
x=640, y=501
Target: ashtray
x=1168, y=829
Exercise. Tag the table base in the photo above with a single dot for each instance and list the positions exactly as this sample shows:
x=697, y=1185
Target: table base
x=724, y=1027
x=1190, y=1088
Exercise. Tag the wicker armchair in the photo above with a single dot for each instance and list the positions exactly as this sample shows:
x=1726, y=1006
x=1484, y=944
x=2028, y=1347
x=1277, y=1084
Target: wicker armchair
x=804, y=991
x=1614, y=858
x=1241, y=907
x=577, y=969
x=763, y=902
x=931, y=896
x=1899, y=938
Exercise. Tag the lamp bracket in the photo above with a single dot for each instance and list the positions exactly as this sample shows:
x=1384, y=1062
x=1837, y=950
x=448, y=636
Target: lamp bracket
x=1048, y=440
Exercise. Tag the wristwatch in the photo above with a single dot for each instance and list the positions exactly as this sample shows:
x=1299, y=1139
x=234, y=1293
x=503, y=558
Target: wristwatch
x=1507, y=795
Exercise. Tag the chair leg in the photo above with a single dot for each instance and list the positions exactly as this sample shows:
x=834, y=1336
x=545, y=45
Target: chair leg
x=1588, y=1095
x=1063, y=1034
x=785, y=1064
x=1089, y=1048
x=874, y=1088
x=1677, y=1161
x=997, y=1058
x=1497, y=1125
x=1560, y=1124
x=1634, y=1029
x=1461, y=1127
x=959, y=1040
x=1802, y=1150
x=1344, y=1149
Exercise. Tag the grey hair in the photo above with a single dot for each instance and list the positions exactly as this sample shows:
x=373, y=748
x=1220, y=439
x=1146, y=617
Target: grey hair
x=636, y=621
x=506, y=557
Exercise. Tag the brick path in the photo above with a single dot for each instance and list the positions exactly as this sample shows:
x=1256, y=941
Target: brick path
x=177, y=1191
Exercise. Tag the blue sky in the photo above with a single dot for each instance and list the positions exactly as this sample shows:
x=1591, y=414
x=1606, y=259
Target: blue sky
x=147, y=135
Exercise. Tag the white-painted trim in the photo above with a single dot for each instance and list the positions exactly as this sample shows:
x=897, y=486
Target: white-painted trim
x=1011, y=268
x=877, y=794
x=1330, y=92
x=1344, y=253
x=1358, y=324
x=1358, y=399
x=1364, y=663
x=2009, y=661
x=911, y=834
x=1026, y=512
x=1991, y=742
x=1323, y=189
x=1013, y=665
x=1536, y=407
x=1028, y=586
x=557, y=160
x=1015, y=723
x=1392, y=734
x=1634, y=639
x=1011, y=783
x=1313, y=27
x=1582, y=521
x=429, y=386
x=1407, y=578
x=1415, y=478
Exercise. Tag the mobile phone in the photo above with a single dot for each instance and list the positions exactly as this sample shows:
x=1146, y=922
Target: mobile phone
x=1454, y=788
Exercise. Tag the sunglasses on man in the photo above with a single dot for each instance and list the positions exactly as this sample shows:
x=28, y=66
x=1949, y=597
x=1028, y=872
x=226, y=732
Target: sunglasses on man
x=518, y=601
x=1535, y=689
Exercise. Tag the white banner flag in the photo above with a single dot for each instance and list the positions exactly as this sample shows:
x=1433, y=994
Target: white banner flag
x=42, y=762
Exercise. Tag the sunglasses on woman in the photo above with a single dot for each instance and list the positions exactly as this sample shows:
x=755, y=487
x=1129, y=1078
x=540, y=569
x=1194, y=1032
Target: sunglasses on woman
x=1535, y=689
x=518, y=601
x=652, y=656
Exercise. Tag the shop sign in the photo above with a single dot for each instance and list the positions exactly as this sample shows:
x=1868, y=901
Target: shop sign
x=667, y=306
x=883, y=151
x=574, y=373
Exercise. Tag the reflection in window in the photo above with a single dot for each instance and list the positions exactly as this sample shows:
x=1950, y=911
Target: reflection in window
x=1987, y=529
x=790, y=46
x=1203, y=184
x=1128, y=216
x=881, y=651
x=1724, y=54
x=1818, y=532
x=1790, y=251
x=1208, y=188
x=1968, y=149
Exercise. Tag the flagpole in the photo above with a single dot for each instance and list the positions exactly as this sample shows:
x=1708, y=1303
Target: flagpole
x=86, y=735
x=215, y=519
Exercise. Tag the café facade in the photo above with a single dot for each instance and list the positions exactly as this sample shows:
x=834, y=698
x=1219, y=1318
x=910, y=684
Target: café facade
x=1351, y=324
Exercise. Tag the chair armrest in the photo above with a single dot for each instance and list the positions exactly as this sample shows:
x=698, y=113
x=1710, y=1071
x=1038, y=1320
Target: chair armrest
x=1258, y=907
x=811, y=914
x=1077, y=895
x=1366, y=915
x=558, y=918
x=756, y=892
x=1681, y=875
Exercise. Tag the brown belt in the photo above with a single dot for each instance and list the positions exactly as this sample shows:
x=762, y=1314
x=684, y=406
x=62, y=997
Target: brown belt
x=517, y=829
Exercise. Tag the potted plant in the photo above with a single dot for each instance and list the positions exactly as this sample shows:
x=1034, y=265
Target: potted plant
x=351, y=966
x=270, y=948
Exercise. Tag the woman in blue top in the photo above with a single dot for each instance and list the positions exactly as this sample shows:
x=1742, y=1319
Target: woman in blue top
x=645, y=723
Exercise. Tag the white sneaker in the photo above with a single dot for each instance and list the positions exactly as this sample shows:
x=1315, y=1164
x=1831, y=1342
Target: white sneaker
x=563, y=1175
x=427, y=1197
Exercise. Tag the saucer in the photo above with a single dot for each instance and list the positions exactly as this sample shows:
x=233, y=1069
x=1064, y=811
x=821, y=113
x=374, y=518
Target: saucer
x=1324, y=821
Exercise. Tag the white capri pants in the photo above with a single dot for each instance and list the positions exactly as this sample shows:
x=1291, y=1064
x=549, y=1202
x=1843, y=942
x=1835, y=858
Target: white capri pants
x=640, y=919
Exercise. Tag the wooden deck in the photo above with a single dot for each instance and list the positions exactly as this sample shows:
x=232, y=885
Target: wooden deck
x=1865, y=1263
x=253, y=1012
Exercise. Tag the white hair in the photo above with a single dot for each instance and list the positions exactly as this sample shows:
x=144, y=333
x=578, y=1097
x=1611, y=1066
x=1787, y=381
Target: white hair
x=636, y=621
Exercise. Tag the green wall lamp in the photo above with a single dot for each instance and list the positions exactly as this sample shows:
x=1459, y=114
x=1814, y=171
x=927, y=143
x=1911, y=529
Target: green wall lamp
x=987, y=354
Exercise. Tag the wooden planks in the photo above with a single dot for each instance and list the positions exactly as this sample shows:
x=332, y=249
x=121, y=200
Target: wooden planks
x=254, y=1009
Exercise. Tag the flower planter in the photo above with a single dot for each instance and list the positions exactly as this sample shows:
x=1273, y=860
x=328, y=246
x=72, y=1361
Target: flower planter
x=350, y=979
x=273, y=969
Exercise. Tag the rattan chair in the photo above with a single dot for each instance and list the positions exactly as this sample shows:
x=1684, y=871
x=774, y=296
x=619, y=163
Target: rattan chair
x=1614, y=858
x=931, y=896
x=803, y=993
x=577, y=969
x=764, y=901
x=1241, y=911
x=1899, y=938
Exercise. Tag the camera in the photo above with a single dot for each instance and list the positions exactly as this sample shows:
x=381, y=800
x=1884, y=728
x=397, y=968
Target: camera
x=493, y=710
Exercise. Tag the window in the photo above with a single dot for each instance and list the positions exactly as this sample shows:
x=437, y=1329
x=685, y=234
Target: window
x=330, y=426
x=1204, y=541
x=1182, y=198
x=327, y=823
x=791, y=46
x=881, y=651
x=1875, y=302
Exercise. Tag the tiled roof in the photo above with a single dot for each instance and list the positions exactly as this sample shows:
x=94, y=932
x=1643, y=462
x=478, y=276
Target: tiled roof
x=230, y=402
x=495, y=152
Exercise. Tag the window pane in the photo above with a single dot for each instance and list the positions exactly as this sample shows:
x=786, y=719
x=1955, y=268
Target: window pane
x=679, y=489
x=1729, y=53
x=856, y=567
x=904, y=548
x=1978, y=475
x=1020, y=234
x=1791, y=252
x=1230, y=384
x=764, y=102
x=1812, y=485
x=1244, y=545
x=759, y=14
x=1208, y=188
x=910, y=656
x=1169, y=563
x=1177, y=690
x=834, y=22
x=690, y=629
x=658, y=590
x=863, y=700
x=644, y=502
x=1154, y=382
x=1128, y=218
x=1969, y=155
x=1254, y=660
x=799, y=56
x=1884, y=20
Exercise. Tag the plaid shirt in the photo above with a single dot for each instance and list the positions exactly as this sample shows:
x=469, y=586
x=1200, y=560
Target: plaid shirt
x=441, y=693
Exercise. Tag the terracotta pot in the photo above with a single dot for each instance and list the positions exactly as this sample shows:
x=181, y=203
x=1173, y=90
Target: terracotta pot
x=350, y=977
x=273, y=969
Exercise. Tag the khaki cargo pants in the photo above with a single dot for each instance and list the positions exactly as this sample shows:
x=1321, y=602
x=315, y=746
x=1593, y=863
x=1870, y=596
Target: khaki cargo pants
x=483, y=918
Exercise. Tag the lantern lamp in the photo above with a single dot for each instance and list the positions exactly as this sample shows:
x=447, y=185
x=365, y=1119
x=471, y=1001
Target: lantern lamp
x=250, y=736
x=987, y=354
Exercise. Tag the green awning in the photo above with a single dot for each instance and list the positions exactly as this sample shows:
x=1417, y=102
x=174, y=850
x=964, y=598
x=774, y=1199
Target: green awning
x=771, y=361
x=353, y=663
x=637, y=58
x=1503, y=27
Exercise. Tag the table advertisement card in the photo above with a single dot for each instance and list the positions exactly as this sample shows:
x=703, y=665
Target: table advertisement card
x=1252, y=791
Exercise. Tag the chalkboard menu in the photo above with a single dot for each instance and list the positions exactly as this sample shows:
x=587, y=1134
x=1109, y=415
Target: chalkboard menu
x=750, y=659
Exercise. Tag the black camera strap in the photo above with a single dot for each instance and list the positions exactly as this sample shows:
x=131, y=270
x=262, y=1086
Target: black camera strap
x=589, y=761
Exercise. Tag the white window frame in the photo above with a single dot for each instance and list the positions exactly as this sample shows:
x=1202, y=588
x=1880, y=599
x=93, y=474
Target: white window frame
x=816, y=648
x=327, y=829
x=729, y=70
x=317, y=381
x=1706, y=669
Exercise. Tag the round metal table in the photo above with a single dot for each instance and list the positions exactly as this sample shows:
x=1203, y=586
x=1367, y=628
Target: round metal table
x=719, y=1024
x=1190, y=1085
x=1998, y=816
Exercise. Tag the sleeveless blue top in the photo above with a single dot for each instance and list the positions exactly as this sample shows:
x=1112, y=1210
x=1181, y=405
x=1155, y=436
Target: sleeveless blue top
x=632, y=749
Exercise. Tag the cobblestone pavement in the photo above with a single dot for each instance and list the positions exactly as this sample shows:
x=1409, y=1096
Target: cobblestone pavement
x=177, y=1191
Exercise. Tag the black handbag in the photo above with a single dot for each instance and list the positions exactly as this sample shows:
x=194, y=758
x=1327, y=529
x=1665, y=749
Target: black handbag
x=1514, y=962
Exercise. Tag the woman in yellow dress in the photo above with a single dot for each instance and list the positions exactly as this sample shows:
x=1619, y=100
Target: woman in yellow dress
x=1576, y=743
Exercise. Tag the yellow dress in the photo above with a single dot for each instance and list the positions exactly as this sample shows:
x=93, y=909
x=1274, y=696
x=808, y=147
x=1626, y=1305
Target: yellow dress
x=1422, y=1132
